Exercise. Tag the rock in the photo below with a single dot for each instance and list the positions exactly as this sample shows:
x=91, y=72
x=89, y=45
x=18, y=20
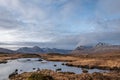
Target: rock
x=84, y=70
x=59, y=69
x=55, y=65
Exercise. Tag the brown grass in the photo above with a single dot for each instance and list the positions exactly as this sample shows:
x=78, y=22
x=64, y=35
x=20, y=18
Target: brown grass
x=88, y=61
x=5, y=56
x=70, y=76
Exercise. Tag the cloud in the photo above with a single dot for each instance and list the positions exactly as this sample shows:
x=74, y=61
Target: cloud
x=108, y=8
x=59, y=23
x=109, y=25
x=7, y=20
x=31, y=21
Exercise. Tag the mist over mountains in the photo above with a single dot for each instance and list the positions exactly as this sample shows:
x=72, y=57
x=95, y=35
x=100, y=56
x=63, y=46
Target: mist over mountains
x=97, y=49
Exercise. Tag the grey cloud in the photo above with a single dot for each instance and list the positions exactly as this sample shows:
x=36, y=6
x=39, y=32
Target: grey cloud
x=107, y=8
x=40, y=44
x=109, y=25
x=3, y=43
x=8, y=19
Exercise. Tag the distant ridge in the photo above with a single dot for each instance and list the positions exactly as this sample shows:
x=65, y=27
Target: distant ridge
x=3, y=50
x=37, y=49
x=97, y=49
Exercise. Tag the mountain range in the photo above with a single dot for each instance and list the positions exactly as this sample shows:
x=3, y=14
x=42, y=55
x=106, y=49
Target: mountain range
x=35, y=49
x=97, y=49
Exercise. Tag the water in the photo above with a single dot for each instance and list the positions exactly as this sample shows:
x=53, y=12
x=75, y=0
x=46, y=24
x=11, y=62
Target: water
x=27, y=65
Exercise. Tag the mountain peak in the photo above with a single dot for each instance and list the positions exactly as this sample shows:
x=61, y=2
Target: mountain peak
x=80, y=48
x=101, y=44
x=36, y=47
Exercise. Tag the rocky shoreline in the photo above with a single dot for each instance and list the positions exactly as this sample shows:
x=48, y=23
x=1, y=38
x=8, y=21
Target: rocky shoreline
x=4, y=56
x=94, y=67
x=67, y=75
x=3, y=61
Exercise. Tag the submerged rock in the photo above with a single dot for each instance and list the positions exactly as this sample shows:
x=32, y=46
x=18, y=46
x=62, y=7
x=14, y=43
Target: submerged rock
x=84, y=70
x=59, y=69
x=55, y=65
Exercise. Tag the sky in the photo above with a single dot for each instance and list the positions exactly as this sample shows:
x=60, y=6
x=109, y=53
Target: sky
x=63, y=24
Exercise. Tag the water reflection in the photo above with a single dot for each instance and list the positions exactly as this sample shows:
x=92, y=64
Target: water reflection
x=32, y=64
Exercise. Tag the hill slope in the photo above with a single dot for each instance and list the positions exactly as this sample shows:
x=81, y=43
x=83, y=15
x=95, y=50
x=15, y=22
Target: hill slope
x=99, y=48
x=3, y=50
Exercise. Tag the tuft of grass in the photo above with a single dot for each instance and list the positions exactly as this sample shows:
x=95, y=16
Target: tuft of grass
x=30, y=56
x=39, y=76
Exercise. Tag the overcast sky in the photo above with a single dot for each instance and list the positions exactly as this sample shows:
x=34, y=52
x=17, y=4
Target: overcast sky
x=59, y=23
